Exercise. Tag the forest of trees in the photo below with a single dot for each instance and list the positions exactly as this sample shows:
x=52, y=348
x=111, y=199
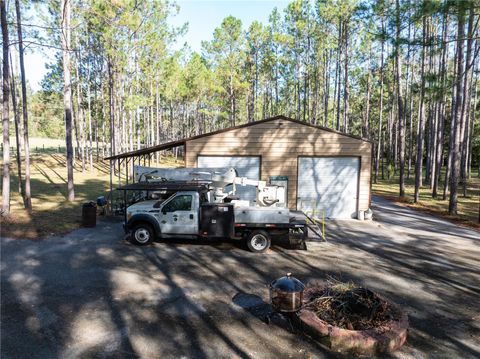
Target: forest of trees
x=403, y=73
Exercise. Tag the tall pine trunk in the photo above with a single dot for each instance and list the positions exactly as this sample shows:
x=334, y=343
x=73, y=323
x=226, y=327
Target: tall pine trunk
x=90, y=133
x=467, y=82
x=339, y=77
x=409, y=95
x=67, y=94
x=80, y=119
x=421, y=120
x=17, y=132
x=457, y=119
x=327, y=87
x=5, y=112
x=346, y=90
x=112, y=109
x=27, y=188
x=379, y=143
x=441, y=111
x=400, y=108
x=366, y=121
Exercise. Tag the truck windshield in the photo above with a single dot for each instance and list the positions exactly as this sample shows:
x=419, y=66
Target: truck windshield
x=179, y=203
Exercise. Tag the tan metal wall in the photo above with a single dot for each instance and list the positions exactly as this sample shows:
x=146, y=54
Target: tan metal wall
x=279, y=143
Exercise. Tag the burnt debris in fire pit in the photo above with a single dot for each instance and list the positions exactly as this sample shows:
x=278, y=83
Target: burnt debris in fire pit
x=349, y=307
x=352, y=319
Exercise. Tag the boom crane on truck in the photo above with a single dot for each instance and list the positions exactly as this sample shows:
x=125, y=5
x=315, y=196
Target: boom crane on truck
x=266, y=195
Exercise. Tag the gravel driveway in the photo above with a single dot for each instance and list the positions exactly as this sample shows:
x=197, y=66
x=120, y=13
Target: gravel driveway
x=90, y=294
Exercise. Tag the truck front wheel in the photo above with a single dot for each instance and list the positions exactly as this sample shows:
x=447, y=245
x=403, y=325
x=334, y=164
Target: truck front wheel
x=142, y=234
x=258, y=241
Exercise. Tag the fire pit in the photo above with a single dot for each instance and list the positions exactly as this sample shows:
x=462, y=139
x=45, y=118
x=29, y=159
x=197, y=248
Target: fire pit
x=286, y=294
x=352, y=319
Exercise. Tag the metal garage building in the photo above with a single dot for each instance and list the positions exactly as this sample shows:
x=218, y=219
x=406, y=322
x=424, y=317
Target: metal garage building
x=324, y=170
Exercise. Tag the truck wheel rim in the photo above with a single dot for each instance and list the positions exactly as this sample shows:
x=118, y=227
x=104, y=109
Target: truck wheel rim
x=259, y=242
x=142, y=235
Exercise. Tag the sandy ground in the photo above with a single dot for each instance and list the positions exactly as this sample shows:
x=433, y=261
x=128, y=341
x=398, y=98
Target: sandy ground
x=91, y=294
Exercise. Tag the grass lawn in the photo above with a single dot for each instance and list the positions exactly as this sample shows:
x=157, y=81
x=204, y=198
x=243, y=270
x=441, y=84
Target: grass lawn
x=52, y=213
x=467, y=206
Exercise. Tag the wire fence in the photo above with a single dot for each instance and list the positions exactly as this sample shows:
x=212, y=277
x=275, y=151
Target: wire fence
x=54, y=149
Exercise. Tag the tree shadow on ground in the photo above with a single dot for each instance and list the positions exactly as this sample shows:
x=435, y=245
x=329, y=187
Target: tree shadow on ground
x=89, y=294
x=434, y=278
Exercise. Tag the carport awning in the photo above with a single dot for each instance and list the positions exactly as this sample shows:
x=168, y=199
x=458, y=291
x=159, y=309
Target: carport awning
x=148, y=150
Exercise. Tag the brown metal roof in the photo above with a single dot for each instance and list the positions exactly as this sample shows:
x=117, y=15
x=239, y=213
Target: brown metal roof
x=181, y=142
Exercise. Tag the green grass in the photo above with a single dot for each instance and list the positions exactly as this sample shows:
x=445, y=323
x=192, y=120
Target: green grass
x=468, y=206
x=41, y=142
x=52, y=213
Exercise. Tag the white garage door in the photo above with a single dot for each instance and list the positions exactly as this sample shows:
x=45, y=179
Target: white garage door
x=246, y=167
x=329, y=184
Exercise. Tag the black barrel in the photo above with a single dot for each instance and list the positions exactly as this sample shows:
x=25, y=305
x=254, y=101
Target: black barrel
x=89, y=214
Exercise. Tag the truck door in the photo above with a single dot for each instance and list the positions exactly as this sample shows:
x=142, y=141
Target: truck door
x=180, y=215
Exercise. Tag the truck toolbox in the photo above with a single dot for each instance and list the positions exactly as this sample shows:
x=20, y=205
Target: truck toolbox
x=262, y=215
x=216, y=220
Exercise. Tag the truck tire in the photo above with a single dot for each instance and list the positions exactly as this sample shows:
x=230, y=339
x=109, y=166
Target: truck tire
x=258, y=241
x=142, y=234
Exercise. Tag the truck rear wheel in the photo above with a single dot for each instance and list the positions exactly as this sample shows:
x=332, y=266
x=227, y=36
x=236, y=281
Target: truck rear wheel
x=258, y=241
x=142, y=234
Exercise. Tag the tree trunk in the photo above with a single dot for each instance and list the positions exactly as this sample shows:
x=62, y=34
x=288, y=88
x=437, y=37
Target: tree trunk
x=410, y=136
x=400, y=108
x=232, y=103
x=429, y=125
x=80, y=123
x=464, y=126
x=428, y=138
x=27, y=188
x=346, y=90
x=421, y=120
x=379, y=144
x=366, y=121
x=409, y=95
x=339, y=77
x=251, y=96
x=5, y=112
x=335, y=83
x=327, y=88
x=441, y=111
x=67, y=95
x=472, y=130
x=17, y=132
x=111, y=109
x=457, y=120
x=90, y=133
x=448, y=168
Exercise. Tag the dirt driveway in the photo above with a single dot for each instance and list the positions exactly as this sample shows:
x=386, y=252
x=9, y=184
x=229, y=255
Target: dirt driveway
x=89, y=294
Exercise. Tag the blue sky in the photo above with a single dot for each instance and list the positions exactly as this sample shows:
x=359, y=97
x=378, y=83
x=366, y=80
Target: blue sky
x=202, y=16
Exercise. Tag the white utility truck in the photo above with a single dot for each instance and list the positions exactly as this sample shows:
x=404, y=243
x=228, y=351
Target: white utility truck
x=200, y=208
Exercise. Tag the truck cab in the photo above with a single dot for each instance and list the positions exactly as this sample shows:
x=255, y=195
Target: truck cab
x=176, y=216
